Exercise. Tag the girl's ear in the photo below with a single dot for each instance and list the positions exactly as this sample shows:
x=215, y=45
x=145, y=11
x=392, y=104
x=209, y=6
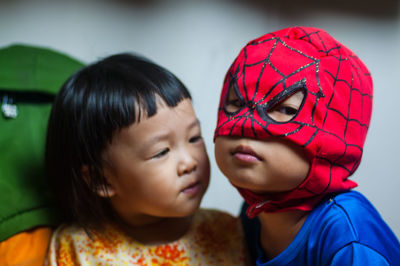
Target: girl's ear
x=105, y=192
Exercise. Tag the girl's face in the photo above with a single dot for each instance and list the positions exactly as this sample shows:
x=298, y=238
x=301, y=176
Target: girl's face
x=158, y=167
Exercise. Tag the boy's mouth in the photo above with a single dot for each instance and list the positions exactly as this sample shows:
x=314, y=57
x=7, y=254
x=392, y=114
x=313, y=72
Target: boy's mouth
x=245, y=154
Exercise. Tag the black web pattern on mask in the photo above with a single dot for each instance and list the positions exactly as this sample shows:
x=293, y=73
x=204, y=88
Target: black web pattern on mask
x=239, y=73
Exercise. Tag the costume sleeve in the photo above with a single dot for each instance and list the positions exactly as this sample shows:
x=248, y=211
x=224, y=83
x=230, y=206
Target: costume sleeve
x=358, y=254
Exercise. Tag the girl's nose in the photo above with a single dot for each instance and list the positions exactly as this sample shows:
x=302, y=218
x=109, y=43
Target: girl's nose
x=186, y=164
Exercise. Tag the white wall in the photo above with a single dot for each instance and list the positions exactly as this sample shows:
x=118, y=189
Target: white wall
x=198, y=40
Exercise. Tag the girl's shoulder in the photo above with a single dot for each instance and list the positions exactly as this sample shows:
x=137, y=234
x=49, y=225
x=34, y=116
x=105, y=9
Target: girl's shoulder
x=217, y=224
x=72, y=245
x=219, y=220
x=213, y=215
x=66, y=235
x=214, y=238
x=61, y=248
x=218, y=232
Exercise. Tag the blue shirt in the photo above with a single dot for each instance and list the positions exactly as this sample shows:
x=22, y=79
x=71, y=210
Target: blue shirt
x=344, y=229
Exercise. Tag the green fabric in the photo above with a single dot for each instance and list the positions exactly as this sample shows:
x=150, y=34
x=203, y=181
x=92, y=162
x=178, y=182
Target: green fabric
x=25, y=199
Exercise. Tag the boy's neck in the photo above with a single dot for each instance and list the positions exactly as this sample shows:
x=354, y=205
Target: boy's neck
x=279, y=229
x=160, y=231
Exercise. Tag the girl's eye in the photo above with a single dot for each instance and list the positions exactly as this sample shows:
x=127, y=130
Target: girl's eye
x=195, y=139
x=161, y=153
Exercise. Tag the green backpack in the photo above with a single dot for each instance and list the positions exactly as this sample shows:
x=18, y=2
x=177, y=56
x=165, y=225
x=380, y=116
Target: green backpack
x=29, y=79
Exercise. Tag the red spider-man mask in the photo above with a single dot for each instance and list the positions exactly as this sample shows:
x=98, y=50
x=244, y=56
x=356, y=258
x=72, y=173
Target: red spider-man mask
x=332, y=121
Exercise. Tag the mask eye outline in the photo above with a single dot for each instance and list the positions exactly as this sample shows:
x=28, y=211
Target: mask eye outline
x=264, y=109
x=238, y=101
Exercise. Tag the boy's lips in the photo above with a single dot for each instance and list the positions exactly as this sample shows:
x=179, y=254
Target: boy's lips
x=245, y=154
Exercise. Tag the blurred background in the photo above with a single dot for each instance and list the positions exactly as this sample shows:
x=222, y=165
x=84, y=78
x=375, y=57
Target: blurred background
x=198, y=40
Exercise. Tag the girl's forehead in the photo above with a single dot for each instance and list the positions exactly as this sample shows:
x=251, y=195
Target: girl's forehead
x=166, y=119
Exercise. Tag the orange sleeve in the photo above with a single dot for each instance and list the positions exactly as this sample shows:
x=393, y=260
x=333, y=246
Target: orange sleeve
x=26, y=248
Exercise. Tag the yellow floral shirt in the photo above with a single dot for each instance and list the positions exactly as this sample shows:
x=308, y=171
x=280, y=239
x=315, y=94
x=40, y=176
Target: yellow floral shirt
x=214, y=238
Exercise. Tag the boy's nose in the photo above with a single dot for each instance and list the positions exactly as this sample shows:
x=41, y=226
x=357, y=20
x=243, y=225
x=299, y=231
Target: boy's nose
x=187, y=164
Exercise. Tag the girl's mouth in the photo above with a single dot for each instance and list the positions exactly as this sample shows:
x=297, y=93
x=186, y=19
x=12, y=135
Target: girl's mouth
x=192, y=189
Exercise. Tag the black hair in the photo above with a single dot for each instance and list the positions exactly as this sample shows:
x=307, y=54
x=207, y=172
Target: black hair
x=92, y=105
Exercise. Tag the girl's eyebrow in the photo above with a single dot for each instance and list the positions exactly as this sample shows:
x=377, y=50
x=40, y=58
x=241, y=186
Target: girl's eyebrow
x=194, y=123
x=156, y=138
x=164, y=135
x=147, y=144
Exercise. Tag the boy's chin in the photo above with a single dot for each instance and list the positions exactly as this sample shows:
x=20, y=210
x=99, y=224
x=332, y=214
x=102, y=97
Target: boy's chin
x=253, y=190
x=239, y=185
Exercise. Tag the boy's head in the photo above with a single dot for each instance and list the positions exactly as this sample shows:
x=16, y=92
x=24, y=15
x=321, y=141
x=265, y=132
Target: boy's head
x=333, y=90
x=102, y=106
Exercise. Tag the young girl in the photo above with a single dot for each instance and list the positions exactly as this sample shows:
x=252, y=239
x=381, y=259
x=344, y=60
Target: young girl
x=126, y=157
